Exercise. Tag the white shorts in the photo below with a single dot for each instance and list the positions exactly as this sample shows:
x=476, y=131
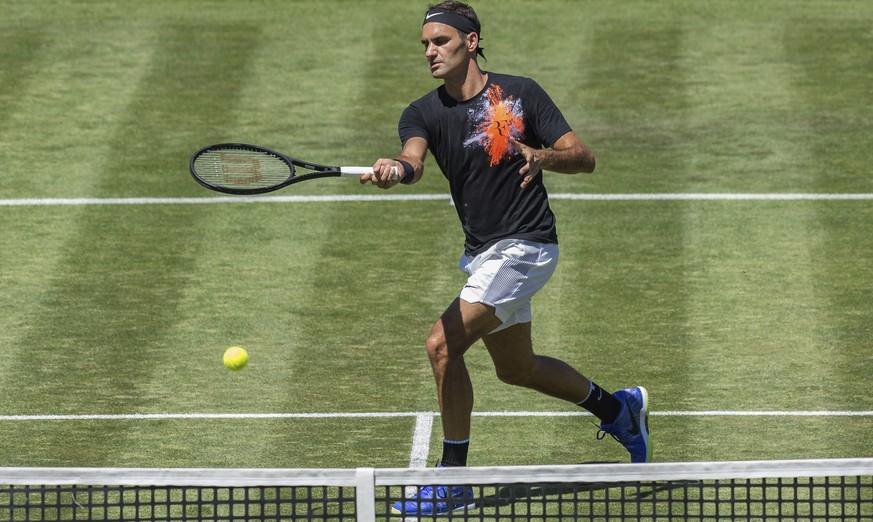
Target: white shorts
x=507, y=275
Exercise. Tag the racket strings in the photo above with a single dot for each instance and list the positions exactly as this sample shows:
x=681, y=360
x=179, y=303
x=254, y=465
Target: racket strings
x=241, y=168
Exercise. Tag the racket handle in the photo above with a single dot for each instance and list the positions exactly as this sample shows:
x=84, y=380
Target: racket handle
x=360, y=171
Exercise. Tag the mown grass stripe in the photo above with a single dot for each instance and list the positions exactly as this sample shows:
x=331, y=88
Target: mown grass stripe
x=114, y=293
x=832, y=59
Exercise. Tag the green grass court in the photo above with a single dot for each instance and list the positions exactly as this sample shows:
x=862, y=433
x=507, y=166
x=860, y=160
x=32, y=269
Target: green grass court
x=715, y=305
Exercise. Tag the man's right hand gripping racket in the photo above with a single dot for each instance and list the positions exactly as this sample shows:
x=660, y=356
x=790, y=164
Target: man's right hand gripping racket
x=237, y=168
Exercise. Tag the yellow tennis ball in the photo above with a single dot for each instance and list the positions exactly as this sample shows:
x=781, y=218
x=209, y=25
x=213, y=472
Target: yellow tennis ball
x=236, y=358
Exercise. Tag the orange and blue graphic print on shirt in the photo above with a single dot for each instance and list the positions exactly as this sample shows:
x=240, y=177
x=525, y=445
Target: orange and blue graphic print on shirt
x=497, y=118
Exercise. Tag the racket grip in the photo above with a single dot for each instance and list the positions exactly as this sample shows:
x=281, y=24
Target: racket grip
x=360, y=171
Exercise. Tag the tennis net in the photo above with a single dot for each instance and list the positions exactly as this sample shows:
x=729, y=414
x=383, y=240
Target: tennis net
x=813, y=490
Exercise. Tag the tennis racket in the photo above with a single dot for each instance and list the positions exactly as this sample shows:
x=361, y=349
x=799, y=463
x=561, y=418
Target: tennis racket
x=237, y=168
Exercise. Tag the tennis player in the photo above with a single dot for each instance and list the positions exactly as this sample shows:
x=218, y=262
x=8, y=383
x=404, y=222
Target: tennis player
x=492, y=135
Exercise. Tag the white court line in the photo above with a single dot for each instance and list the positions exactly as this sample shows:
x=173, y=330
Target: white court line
x=419, y=416
x=423, y=429
x=218, y=199
x=712, y=197
x=423, y=197
x=421, y=440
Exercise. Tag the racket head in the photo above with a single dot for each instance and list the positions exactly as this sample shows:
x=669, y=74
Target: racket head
x=238, y=168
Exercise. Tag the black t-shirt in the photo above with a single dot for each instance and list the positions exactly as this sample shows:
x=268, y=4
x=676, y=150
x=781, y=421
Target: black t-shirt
x=469, y=141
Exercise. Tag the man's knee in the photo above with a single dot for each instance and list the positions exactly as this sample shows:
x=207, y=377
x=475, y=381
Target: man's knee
x=516, y=375
x=440, y=350
x=437, y=349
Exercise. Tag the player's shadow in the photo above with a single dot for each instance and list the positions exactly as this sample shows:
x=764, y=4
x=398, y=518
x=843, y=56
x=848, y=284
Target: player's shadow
x=579, y=491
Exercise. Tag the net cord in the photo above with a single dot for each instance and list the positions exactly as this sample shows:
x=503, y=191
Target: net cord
x=415, y=476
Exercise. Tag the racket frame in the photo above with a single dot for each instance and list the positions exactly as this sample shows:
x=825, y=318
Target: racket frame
x=318, y=170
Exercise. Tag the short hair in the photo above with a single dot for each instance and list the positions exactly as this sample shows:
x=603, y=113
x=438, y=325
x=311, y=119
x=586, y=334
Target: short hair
x=453, y=6
x=465, y=10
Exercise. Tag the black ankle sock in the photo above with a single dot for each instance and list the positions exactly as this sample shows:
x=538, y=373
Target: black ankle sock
x=602, y=404
x=455, y=452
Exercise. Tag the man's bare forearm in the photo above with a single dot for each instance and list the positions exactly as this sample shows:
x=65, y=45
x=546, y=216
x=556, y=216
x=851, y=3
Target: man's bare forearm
x=572, y=160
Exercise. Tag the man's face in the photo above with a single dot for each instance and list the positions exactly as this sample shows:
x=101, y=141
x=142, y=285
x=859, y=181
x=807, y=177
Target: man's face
x=445, y=50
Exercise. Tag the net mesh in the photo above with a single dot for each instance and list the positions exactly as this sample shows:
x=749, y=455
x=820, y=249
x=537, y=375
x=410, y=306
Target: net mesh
x=819, y=498
x=171, y=503
x=758, y=491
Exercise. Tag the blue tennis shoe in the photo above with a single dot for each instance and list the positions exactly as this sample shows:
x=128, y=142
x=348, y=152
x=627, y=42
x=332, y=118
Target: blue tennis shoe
x=631, y=427
x=426, y=503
